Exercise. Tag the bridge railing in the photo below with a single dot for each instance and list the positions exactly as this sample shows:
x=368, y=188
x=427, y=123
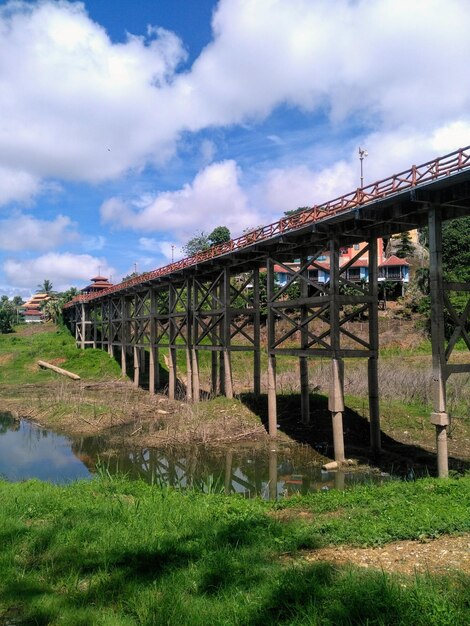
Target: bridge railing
x=439, y=168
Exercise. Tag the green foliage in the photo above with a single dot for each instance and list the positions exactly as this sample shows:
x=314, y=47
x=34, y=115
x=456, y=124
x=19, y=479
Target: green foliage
x=8, y=315
x=115, y=552
x=198, y=243
x=201, y=241
x=405, y=248
x=456, y=249
x=294, y=211
x=45, y=287
x=220, y=234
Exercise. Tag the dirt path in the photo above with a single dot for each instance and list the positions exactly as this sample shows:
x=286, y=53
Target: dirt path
x=441, y=555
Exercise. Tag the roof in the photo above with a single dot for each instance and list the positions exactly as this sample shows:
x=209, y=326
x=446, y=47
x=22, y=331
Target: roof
x=394, y=260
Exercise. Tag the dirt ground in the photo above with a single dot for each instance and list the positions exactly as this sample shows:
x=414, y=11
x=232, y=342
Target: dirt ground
x=441, y=555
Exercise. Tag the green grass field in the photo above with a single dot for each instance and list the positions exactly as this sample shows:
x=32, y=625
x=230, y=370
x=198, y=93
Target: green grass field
x=113, y=552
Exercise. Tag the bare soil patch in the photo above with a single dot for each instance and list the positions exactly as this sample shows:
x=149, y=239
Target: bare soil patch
x=441, y=555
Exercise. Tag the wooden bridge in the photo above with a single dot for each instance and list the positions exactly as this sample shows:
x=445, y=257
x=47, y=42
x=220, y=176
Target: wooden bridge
x=211, y=301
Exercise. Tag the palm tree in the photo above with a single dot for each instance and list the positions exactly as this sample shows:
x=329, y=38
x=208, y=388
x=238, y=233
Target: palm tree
x=46, y=287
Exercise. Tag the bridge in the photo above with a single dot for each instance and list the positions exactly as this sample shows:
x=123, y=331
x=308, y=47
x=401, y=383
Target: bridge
x=212, y=301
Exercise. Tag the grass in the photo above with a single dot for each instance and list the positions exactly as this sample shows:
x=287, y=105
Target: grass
x=20, y=351
x=115, y=552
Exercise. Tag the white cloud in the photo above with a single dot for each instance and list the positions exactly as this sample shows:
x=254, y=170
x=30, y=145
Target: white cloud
x=63, y=270
x=171, y=251
x=93, y=242
x=24, y=232
x=74, y=105
x=214, y=198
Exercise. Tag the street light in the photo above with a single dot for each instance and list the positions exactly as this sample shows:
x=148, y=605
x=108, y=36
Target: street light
x=362, y=154
x=172, y=253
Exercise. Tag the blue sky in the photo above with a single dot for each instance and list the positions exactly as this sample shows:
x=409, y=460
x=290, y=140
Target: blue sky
x=128, y=126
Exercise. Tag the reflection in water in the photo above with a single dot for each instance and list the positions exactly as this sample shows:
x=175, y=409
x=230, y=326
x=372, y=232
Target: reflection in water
x=28, y=451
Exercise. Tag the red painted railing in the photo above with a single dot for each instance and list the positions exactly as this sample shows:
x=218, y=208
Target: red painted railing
x=439, y=168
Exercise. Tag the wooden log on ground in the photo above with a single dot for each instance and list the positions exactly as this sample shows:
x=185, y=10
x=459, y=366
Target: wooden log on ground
x=59, y=370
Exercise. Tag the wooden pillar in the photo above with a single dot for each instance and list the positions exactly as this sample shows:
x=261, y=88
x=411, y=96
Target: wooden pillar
x=188, y=324
x=172, y=350
x=94, y=325
x=194, y=352
x=153, y=362
x=226, y=334
x=256, y=335
x=136, y=351
x=124, y=323
x=439, y=416
x=272, y=397
x=373, y=361
x=336, y=392
x=303, y=360
x=83, y=322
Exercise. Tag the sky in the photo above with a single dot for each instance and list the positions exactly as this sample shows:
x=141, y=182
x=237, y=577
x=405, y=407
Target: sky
x=129, y=126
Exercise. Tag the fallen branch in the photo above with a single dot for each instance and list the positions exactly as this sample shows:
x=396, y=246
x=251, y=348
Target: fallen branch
x=59, y=370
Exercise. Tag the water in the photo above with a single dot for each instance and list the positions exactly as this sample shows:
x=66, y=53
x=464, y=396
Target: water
x=29, y=451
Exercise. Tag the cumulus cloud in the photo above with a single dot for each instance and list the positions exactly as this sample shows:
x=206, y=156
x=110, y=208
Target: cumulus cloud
x=63, y=270
x=213, y=198
x=76, y=106
x=25, y=232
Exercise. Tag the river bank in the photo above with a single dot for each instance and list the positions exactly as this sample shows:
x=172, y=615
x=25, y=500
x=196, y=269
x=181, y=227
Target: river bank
x=102, y=403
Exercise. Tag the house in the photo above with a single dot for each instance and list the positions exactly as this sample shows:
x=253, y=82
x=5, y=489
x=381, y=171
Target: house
x=392, y=270
x=31, y=310
x=98, y=283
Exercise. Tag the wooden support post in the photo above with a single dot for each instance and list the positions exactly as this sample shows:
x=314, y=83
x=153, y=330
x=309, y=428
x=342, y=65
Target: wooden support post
x=153, y=362
x=226, y=334
x=439, y=416
x=189, y=374
x=83, y=322
x=136, y=366
x=124, y=323
x=215, y=387
x=336, y=392
x=172, y=350
x=256, y=335
x=303, y=361
x=336, y=406
x=194, y=352
x=94, y=326
x=372, y=365
x=272, y=397
x=188, y=324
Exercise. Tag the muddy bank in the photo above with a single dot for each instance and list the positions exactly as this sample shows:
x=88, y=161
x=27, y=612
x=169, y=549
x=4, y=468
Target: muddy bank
x=87, y=408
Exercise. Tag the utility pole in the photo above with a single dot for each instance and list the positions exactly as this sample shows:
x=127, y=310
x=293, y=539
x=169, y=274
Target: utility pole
x=362, y=154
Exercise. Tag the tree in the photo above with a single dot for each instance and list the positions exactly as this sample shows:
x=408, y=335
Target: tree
x=220, y=234
x=405, y=247
x=201, y=241
x=294, y=211
x=46, y=287
x=198, y=243
x=7, y=315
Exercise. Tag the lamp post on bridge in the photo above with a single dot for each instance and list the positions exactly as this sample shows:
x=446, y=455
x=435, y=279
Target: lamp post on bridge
x=362, y=154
